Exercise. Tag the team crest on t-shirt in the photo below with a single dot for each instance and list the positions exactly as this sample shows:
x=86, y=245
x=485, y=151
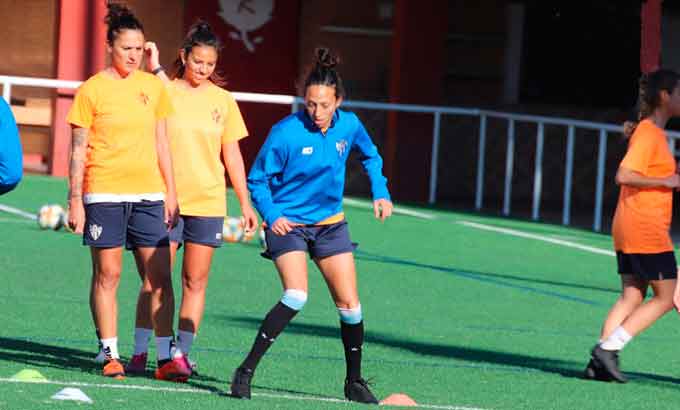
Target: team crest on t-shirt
x=341, y=146
x=143, y=98
x=216, y=116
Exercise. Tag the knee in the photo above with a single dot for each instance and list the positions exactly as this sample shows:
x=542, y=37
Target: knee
x=146, y=287
x=195, y=285
x=107, y=278
x=351, y=316
x=294, y=298
x=158, y=279
x=632, y=299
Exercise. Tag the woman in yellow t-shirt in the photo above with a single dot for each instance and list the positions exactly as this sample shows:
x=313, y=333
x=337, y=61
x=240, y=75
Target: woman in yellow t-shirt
x=121, y=186
x=204, y=132
x=644, y=251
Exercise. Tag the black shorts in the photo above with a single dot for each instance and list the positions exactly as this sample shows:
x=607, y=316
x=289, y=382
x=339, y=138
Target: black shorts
x=648, y=266
x=129, y=224
x=319, y=241
x=203, y=230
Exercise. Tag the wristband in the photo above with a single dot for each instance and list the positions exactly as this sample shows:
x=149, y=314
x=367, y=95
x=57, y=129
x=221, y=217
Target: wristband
x=157, y=70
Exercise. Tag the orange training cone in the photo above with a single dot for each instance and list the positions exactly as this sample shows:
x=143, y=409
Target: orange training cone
x=398, y=399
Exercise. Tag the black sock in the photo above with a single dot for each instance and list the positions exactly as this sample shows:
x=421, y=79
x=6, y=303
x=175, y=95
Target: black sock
x=352, y=340
x=272, y=325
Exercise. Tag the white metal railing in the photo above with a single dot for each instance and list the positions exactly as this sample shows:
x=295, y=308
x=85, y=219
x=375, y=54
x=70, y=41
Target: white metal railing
x=437, y=112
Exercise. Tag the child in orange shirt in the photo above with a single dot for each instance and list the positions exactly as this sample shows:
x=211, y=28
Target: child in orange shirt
x=644, y=251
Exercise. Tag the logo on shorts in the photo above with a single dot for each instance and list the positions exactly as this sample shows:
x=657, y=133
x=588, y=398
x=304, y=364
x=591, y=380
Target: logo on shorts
x=307, y=150
x=95, y=231
x=341, y=146
x=218, y=236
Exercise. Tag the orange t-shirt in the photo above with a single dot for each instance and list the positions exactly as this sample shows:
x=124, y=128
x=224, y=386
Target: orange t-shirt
x=643, y=215
x=121, y=116
x=204, y=119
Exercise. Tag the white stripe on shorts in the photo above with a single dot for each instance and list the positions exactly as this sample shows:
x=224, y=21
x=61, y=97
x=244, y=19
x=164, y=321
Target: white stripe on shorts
x=92, y=198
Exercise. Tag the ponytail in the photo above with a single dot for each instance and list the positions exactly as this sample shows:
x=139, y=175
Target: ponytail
x=650, y=87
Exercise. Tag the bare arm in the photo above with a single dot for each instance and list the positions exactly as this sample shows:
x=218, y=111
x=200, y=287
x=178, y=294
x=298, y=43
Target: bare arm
x=628, y=177
x=233, y=160
x=153, y=60
x=165, y=166
x=76, y=174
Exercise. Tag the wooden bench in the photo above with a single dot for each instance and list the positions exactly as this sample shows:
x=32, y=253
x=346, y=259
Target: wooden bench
x=34, y=118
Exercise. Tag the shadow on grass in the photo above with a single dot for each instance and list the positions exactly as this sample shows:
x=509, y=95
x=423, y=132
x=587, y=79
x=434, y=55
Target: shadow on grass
x=476, y=357
x=41, y=354
x=495, y=278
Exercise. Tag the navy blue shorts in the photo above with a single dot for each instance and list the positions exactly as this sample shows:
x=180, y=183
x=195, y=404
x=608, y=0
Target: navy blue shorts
x=319, y=241
x=203, y=230
x=648, y=266
x=129, y=224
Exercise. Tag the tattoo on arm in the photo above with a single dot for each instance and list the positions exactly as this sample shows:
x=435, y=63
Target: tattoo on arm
x=77, y=162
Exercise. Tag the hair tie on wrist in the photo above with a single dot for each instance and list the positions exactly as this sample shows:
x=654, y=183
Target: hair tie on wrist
x=157, y=70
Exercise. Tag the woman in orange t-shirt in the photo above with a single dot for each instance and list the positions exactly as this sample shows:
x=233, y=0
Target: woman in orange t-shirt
x=122, y=189
x=644, y=251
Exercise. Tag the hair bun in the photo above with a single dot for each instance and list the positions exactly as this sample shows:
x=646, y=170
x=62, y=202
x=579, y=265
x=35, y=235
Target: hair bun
x=200, y=32
x=117, y=12
x=325, y=59
x=202, y=26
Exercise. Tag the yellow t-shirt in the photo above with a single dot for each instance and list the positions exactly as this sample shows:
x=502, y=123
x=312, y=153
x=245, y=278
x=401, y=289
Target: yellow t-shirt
x=121, y=115
x=203, y=120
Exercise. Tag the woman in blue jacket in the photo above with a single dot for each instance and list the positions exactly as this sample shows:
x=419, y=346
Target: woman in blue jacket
x=296, y=184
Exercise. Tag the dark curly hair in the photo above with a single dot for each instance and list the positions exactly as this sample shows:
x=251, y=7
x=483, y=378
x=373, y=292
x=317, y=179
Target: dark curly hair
x=119, y=18
x=322, y=72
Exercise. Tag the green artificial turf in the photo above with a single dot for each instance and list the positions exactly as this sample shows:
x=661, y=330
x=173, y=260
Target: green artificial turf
x=455, y=317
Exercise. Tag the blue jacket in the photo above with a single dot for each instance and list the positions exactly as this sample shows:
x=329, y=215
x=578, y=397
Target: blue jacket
x=299, y=172
x=11, y=156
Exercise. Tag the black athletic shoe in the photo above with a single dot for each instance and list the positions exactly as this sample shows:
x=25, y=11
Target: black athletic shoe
x=240, y=383
x=594, y=371
x=609, y=359
x=357, y=390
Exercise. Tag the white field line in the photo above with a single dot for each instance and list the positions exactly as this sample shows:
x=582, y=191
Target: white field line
x=397, y=209
x=17, y=211
x=199, y=391
x=543, y=238
x=349, y=201
x=15, y=221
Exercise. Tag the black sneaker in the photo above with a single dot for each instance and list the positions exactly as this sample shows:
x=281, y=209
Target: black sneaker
x=240, y=383
x=594, y=371
x=357, y=390
x=609, y=359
